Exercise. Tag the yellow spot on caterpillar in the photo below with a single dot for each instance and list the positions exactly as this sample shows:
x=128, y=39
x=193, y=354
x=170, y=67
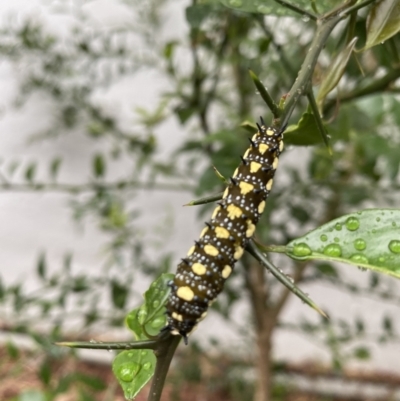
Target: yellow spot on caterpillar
x=246, y=153
x=226, y=272
x=245, y=187
x=222, y=232
x=203, y=232
x=211, y=250
x=234, y=211
x=254, y=167
x=275, y=163
x=270, y=132
x=269, y=184
x=203, y=315
x=261, y=207
x=226, y=192
x=254, y=137
x=177, y=316
x=175, y=332
x=216, y=210
x=238, y=252
x=263, y=148
x=250, y=228
x=281, y=146
x=191, y=250
x=185, y=293
x=235, y=173
x=199, y=269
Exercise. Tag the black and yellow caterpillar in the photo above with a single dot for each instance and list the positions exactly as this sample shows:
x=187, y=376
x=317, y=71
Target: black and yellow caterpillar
x=201, y=275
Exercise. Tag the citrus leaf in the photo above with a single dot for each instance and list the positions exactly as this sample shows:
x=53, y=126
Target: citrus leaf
x=149, y=318
x=270, y=7
x=133, y=369
x=335, y=72
x=304, y=133
x=369, y=239
x=383, y=22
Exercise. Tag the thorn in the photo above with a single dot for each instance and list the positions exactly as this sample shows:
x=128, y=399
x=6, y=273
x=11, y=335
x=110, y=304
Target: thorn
x=257, y=191
x=197, y=243
x=262, y=121
x=186, y=261
x=208, y=224
x=244, y=161
x=253, y=144
x=267, y=168
x=222, y=204
x=170, y=283
x=259, y=127
x=233, y=181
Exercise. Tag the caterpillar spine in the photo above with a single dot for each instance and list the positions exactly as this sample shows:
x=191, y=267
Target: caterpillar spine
x=201, y=275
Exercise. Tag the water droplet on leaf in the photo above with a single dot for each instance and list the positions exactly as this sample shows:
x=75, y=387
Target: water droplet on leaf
x=301, y=250
x=333, y=250
x=323, y=238
x=127, y=371
x=147, y=366
x=352, y=224
x=360, y=244
x=358, y=258
x=394, y=246
x=338, y=226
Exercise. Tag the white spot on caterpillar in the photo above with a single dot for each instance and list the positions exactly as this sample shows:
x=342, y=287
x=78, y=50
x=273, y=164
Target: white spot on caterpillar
x=191, y=250
x=216, y=210
x=199, y=269
x=226, y=272
x=175, y=332
x=177, y=316
x=245, y=187
x=275, y=163
x=281, y=146
x=261, y=207
x=269, y=184
x=238, y=252
x=203, y=232
x=185, y=293
x=270, y=132
x=234, y=211
x=254, y=167
x=263, y=148
x=211, y=250
x=221, y=232
x=250, y=228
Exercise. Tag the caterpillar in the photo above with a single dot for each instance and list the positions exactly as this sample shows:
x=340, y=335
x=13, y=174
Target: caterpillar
x=201, y=274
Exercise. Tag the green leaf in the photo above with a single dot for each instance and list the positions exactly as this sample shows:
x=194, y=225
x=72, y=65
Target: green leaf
x=369, y=239
x=12, y=350
x=45, y=371
x=334, y=73
x=197, y=13
x=119, y=294
x=30, y=172
x=99, y=165
x=305, y=133
x=32, y=395
x=270, y=7
x=134, y=369
x=149, y=318
x=383, y=22
x=41, y=266
x=362, y=353
x=55, y=167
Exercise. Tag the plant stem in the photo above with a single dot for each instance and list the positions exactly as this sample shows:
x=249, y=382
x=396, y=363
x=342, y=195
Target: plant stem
x=164, y=353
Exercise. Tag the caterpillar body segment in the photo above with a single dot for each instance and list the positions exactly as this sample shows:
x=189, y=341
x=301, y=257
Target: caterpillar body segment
x=209, y=262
